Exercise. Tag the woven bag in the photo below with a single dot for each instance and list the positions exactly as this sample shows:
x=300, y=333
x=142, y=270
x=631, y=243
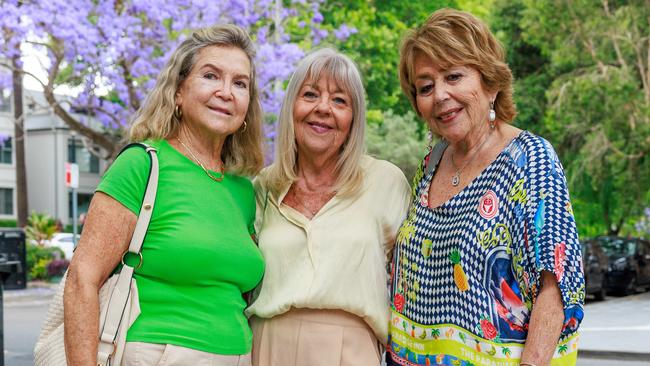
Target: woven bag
x=118, y=297
x=50, y=350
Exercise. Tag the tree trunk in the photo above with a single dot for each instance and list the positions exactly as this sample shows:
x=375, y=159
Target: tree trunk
x=19, y=144
x=98, y=138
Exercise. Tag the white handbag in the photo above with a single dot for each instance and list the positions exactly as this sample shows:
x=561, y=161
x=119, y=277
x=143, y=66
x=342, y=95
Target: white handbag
x=118, y=297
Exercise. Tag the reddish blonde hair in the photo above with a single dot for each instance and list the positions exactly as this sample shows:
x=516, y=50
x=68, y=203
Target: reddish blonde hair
x=451, y=37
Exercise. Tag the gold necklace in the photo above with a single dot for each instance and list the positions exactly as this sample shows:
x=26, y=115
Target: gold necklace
x=455, y=180
x=216, y=179
x=297, y=192
x=312, y=212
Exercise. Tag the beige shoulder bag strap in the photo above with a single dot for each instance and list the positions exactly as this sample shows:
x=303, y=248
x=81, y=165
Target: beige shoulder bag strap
x=110, y=324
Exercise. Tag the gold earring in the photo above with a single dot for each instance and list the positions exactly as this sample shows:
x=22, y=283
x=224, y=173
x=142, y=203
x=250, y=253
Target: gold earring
x=178, y=113
x=245, y=127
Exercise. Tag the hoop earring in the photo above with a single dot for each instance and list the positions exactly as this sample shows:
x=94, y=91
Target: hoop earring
x=178, y=113
x=245, y=127
x=493, y=115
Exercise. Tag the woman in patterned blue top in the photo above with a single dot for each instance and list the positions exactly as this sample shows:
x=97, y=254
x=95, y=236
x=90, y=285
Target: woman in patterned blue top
x=487, y=266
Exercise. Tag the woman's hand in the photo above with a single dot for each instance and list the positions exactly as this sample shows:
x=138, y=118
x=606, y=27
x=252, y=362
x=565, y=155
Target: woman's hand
x=106, y=236
x=545, y=323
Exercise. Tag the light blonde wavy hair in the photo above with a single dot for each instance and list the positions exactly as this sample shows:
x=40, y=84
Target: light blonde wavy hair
x=242, y=151
x=451, y=37
x=325, y=62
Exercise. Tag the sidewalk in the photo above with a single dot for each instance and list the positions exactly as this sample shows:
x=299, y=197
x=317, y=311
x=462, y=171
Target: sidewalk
x=36, y=293
x=617, y=328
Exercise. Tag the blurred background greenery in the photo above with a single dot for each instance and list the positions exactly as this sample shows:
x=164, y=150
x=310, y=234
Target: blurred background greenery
x=581, y=67
x=582, y=71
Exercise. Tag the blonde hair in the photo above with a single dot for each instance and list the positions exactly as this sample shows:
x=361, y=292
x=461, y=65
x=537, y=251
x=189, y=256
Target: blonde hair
x=452, y=37
x=325, y=62
x=242, y=151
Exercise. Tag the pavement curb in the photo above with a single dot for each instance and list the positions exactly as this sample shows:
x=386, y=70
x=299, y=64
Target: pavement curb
x=614, y=355
x=35, y=293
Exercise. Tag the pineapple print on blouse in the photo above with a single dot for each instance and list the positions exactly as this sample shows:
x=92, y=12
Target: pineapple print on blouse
x=459, y=275
x=465, y=275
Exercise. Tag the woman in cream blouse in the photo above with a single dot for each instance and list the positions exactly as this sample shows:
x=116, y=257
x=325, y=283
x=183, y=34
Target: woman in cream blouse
x=327, y=215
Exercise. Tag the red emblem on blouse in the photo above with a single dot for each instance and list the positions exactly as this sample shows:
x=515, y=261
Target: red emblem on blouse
x=488, y=205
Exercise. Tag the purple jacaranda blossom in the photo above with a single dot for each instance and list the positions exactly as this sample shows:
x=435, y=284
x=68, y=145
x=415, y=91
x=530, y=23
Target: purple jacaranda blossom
x=278, y=60
x=318, y=35
x=5, y=88
x=317, y=17
x=4, y=138
x=119, y=46
x=344, y=32
x=262, y=35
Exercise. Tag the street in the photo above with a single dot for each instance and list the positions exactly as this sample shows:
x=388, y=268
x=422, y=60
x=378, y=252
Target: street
x=594, y=362
x=24, y=312
x=619, y=324
x=22, y=323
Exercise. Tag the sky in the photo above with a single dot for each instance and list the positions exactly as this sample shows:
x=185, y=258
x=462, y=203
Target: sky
x=35, y=62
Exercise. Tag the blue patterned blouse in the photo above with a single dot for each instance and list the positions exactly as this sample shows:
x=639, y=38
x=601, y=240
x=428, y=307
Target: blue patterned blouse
x=466, y=274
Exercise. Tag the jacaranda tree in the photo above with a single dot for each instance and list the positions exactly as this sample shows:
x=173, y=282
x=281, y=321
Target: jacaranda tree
x=110, y=51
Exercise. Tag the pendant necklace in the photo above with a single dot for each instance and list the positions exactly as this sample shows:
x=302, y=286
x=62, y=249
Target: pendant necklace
x=304, y=193
x=455, y=180
x=312, y=212
x=218, y=178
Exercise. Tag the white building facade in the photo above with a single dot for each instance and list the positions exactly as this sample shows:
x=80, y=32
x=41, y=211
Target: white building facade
x=49, y=145
x=7, y=161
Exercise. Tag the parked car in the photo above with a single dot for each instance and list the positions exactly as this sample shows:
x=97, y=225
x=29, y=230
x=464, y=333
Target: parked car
x=63, y=241
x=629, y=263
x=595, y=264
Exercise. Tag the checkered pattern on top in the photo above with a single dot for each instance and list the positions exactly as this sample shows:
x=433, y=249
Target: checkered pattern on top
x=534, y=230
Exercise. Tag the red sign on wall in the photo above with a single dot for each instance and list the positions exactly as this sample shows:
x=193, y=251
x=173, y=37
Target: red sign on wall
x=72, y=175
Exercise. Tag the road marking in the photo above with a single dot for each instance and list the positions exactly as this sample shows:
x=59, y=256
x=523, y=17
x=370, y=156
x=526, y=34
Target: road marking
x=26, y=303
x=603, y=329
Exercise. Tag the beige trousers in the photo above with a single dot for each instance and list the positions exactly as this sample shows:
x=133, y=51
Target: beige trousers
x=152, y=354
x=305, y=337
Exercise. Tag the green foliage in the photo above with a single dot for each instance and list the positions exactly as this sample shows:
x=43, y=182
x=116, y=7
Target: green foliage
x=8, y=223
x=579, y=84
x=375, y=47
x=40, y=227
x=38, y=258
x=397, y=140
x=67, y=76
x=480, y=8
x=68, y=228
x=527, y=63
x=530, y=98
x=39, y=270
x=639, y=226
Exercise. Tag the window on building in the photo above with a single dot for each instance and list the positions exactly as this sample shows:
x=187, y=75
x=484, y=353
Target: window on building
x=6, y=201
x=83, y=202
x=5, y=150
x=5, y=100
x=78, y=154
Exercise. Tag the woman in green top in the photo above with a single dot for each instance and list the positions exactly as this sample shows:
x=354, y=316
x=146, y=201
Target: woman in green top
x=204, y=119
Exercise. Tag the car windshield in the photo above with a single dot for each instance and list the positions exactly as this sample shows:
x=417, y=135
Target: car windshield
x=614, y=246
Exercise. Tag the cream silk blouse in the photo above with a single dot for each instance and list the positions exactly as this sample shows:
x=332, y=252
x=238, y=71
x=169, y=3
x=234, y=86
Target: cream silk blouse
x=336, y=260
